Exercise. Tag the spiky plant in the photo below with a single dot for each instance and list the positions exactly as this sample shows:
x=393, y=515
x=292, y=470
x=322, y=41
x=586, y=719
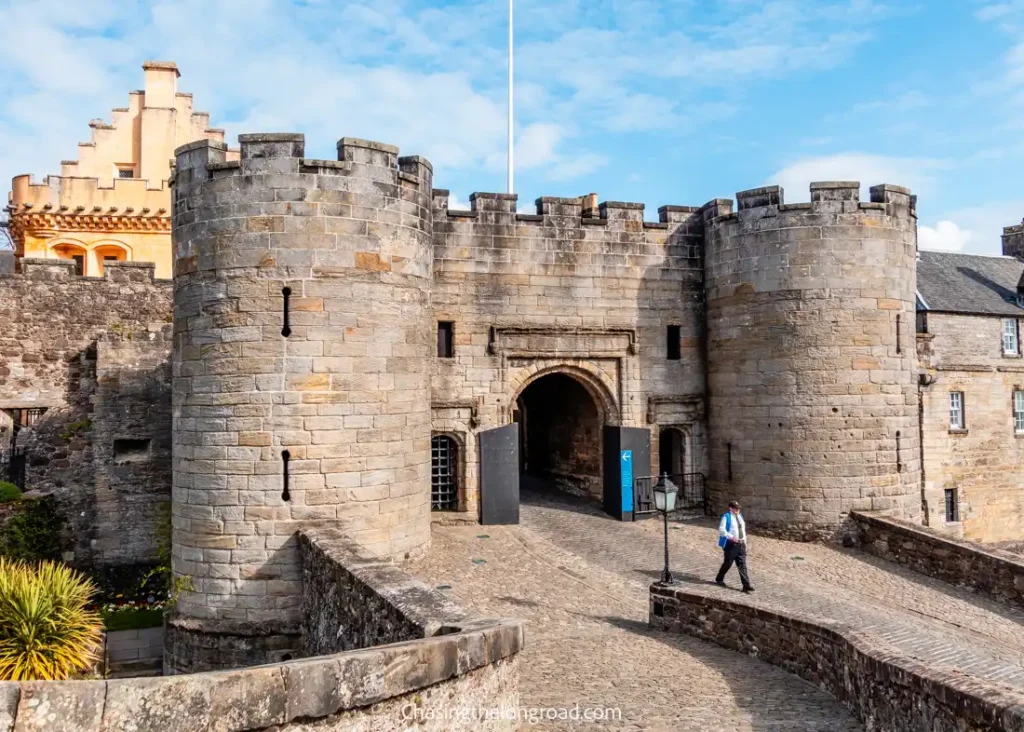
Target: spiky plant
x=47, y=631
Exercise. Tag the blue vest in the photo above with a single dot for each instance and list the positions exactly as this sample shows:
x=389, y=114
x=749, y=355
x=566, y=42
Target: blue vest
x=723, y=541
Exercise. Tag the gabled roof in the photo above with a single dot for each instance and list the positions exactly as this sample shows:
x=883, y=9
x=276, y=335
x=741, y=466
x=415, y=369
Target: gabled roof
x=951, y=282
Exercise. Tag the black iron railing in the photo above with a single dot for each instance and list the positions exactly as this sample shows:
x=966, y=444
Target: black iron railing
x=12, y=466
x=692, y=495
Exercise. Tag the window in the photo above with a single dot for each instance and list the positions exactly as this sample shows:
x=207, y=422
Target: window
x=956, y=410
x=1011, y=339
x=79, y=264
x=444, y=470
x=131, y=450
x=673, y=343
x=110, y=258
x=922, y=321
x=1018, y=411
x=445, y=339
x=952, y=509
x=125, y=173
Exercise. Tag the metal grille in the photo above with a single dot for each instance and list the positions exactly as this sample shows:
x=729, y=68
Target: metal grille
x=444, y=471
x=691, y=497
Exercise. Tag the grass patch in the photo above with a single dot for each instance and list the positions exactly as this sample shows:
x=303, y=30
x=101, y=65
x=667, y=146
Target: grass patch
x=133, y=618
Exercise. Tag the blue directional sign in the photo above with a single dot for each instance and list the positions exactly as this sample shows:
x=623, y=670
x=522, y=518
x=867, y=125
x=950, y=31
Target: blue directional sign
x=626, y=471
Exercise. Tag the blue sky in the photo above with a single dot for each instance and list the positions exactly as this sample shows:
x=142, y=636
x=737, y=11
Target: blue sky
x=659, y=101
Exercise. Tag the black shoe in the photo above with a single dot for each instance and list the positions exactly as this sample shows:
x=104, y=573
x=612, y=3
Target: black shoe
x=720, y=583
x=748, y=589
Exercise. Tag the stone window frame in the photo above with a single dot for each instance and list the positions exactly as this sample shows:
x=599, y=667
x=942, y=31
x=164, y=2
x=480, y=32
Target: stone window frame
x=957, y=425
x=1017, y=406
x=1011, y=330
x=459, y=438
x=955, y=504
x=446, y=348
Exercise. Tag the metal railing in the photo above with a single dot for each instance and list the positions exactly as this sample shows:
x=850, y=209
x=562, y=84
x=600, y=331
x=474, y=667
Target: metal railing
x=12, y=466
x=692, y=495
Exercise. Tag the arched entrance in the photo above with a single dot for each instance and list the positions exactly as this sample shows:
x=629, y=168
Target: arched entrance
x=560, y=436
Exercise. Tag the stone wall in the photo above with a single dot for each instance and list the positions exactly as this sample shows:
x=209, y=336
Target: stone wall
x=882, y=687
x=579, y=289
x=811, y=356
x=379, y=689
x=352, y=601
x=995, y=573
x=981, y=463
x=93, y=354
x=301, y=371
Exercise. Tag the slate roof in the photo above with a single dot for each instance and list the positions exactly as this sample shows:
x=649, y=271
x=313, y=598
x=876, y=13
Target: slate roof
x=969, y=283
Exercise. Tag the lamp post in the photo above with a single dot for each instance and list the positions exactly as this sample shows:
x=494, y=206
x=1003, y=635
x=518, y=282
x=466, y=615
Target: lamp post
x=665, y=492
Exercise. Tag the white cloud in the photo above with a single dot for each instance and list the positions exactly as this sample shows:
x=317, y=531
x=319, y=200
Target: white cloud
x=868, y=169
x=978, y=229
x=944, y=236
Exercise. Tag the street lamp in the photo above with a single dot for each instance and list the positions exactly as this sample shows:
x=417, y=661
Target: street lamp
x=665, y=492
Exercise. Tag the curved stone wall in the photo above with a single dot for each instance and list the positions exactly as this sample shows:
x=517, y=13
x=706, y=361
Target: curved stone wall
x=301, y=383
x=811, y=356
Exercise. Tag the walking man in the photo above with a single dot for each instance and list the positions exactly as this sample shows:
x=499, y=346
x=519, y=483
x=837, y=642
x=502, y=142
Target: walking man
x=732, y=538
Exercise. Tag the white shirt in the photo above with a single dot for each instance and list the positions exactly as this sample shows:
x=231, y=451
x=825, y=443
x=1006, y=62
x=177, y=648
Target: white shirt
x=737, y=530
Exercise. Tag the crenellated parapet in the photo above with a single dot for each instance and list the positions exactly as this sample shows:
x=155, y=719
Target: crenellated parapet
x=563, y=233
x=1013, y=241
x=811, y=354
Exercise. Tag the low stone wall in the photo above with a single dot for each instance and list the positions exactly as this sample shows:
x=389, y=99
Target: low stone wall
x=378, y=689
x=351, y=601
x=884, y=688
x=134, y=652
x=993, y=572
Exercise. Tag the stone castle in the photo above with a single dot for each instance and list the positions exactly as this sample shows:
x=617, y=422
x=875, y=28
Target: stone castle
x=338, y=348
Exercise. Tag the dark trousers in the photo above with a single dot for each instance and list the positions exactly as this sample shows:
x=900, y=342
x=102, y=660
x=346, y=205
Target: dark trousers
x=734, y=552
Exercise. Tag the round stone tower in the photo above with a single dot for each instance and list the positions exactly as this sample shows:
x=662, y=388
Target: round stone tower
x=811, y=356
x=301, y=379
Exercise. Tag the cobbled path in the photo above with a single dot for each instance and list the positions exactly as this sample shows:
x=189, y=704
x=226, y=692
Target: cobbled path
x=930, y=620
x=580, y=582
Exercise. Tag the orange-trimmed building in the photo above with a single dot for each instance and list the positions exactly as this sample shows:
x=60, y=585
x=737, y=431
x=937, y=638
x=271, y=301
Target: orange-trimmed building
x=113, y=203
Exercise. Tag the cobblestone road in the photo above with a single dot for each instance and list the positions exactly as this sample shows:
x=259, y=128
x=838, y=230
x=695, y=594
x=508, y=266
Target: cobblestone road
x=587, y=636
x=927, y=619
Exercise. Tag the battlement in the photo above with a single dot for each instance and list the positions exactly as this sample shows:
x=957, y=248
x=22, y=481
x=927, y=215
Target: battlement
x=63, y=270
x=827, y=197
x=284, y=153
x=582, y=211
x=1013, y=240
x=74, y=195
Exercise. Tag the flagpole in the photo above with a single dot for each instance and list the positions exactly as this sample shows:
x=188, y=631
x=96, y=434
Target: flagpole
x=511, y=131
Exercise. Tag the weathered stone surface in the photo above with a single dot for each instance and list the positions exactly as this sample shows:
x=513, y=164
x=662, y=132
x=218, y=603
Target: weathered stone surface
x=885, y=688
x=9, y=694
x=92, y=353
x=181, y=703
x=343, y=386
x=351, y=601
x=980, y=464
x=75, y=706
x=811, y=358
x=992, y=572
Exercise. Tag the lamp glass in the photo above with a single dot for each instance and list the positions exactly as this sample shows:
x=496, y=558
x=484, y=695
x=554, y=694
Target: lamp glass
x=670, y=498
x=660, y=497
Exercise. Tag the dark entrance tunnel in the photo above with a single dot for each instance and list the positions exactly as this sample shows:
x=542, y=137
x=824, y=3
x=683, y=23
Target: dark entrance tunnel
x=560, y=436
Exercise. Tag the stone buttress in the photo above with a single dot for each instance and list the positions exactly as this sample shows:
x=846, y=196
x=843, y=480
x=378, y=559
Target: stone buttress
x=811, y=356
x=301, y=391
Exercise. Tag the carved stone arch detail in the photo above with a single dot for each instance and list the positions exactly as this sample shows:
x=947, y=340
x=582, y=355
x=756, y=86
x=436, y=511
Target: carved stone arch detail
x=597, y=383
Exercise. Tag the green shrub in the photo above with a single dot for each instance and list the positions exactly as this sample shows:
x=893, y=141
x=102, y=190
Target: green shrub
x=9, y=492
x=47, y=632
x=132, y=618
x=33, y=533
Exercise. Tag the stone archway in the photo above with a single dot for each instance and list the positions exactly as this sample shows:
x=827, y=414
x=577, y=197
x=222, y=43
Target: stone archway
x=561, y=418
